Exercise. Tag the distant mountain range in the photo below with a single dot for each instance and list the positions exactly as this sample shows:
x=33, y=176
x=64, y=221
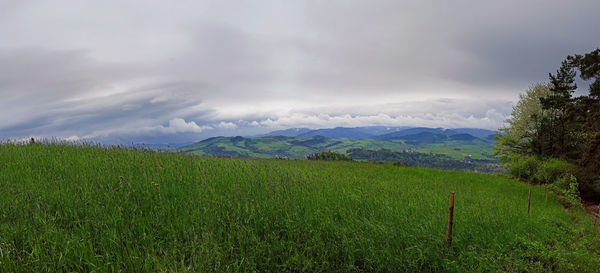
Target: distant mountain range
x=378, y=132
x=459, y=144
x=478, y=133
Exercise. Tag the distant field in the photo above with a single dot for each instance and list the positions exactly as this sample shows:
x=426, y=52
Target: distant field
x=460, y=150
x=292, y=147
x=85, y=209
x=281, y=146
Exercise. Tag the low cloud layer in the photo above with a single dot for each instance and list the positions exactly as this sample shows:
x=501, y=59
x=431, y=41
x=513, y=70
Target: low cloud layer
x=153, y=71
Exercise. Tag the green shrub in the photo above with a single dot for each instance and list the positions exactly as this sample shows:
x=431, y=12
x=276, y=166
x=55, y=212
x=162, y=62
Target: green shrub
x=589, y=183
x=329, y=156
x=567, y=190
x=401, y=164
x=536, y=171
x=523, y=167
x=551, y=170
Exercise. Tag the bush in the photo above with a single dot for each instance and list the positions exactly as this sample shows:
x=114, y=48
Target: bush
x=401, y=164
x=329, y=156
x=536, y=171
x=589, y=184
x=567, y=190
x=551, y=170
x=523, y=167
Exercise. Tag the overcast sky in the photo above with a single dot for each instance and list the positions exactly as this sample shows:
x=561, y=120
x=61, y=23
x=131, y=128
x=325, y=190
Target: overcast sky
x=174, y=71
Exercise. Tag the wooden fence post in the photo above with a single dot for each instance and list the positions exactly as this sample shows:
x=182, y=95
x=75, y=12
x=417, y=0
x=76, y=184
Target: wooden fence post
x=529, y=201
x=450, y=219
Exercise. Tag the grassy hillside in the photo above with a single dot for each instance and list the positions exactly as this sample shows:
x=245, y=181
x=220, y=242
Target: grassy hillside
x=292, y=147
x=281, y=146
x=426, y=160
x=475, y=149
x=92, y=209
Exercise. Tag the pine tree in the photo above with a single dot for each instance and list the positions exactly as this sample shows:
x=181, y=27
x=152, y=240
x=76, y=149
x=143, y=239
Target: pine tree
x=557, y=104
x=589, y=68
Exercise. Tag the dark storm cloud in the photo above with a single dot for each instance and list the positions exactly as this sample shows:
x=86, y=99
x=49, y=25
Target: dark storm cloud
x=483, y=44
x=516, y=43
x=155, y=70
x=69, y=94
x=35, y=80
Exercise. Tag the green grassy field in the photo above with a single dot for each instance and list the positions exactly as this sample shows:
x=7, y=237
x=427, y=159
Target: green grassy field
x=290, y=147
x=280, y=146
x=458, y=150
x=65, y=209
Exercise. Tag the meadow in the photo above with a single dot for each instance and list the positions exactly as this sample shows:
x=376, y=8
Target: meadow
x=88, y=208
x=281, y=146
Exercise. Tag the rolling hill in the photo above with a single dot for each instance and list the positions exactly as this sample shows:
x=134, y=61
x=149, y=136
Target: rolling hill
x=426, y=147
x=378, y=132
x=458, y=146
x=367, y=132
x=282, y=146
x=478, y=133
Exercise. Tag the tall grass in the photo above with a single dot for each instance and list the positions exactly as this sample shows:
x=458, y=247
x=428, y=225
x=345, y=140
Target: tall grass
x=67, y=208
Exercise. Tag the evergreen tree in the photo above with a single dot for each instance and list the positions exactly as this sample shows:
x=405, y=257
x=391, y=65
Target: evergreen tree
x=589, y=68
x=589, y=113
x=556, y=104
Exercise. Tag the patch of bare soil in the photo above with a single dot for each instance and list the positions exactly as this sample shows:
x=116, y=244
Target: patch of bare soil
x=592, y=210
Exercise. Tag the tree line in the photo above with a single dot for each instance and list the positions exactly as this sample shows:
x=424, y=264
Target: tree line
x=329, y=156
x=427, y=160
x=553, y=131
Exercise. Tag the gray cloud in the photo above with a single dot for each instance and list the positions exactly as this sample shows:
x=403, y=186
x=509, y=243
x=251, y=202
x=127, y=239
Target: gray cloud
x=152, y=70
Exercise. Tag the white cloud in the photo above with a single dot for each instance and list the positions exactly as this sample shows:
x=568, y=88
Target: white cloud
x=227, y=125
x=446, y=113
x=444, y=120
x=72, y=138
x=179, y=125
